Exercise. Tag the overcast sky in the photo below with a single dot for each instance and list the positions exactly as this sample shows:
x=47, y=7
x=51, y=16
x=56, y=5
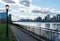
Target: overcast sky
x=31, y=8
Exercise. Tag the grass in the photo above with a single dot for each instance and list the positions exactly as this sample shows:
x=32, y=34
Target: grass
x=3, y=33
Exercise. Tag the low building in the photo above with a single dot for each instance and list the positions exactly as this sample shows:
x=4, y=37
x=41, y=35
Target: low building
x=3, y=17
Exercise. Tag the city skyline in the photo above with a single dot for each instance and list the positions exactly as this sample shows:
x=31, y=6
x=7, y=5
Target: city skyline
x=31, y=8
x=39, y=19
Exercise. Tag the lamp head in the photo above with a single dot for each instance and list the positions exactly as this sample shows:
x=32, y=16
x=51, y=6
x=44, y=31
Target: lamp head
x=7, y=6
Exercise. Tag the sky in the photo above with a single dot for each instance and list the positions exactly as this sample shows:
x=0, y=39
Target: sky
x=31, y=8
x=47, y=3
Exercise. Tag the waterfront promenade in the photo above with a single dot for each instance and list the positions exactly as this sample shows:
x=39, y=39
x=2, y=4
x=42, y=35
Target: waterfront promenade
x=20, y=35
x=30, y=33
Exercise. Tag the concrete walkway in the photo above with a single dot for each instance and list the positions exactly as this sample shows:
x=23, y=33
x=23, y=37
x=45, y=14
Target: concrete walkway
x=20, y=35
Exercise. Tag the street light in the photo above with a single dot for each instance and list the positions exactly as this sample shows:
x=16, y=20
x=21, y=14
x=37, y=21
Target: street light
x=7, y=8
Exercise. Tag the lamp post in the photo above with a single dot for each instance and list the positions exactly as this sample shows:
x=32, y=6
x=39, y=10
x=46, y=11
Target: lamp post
x=7, y=7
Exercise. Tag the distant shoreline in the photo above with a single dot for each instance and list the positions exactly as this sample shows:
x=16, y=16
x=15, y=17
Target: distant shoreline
x=16, y=21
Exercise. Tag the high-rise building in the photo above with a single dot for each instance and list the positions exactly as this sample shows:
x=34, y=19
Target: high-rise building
x=47, y=18
x=58, y=17
x=53, y=19
x=38, y=19
x=9, y=17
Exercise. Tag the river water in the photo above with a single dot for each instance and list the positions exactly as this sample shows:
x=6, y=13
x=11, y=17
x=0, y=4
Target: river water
x=50, y=25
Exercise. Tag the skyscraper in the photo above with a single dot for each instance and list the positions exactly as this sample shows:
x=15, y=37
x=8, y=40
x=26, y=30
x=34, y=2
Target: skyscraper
x=58, y=17
x=9, y=17
x=47, y=18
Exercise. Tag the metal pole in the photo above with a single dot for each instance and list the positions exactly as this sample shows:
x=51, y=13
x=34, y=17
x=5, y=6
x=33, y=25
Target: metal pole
x=33, y=31
x=51, y=35
x=40, y=31
x=7, y=23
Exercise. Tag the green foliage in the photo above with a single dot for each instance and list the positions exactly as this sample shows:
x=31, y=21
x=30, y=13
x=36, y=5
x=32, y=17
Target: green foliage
x=3, y=33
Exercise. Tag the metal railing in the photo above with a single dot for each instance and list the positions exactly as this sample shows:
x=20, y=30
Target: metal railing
x=44, y=33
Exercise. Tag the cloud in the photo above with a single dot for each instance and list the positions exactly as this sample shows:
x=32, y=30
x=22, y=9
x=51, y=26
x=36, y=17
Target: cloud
x=37, y=9
x=25, y=3
x=45, y=12
x=27, y=10
x=32, y=8
x=8, y=1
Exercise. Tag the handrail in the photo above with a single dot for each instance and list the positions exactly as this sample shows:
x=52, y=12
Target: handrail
x=35, y=35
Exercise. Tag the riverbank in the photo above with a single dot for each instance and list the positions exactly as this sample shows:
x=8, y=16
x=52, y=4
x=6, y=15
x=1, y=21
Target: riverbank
x=3, y=33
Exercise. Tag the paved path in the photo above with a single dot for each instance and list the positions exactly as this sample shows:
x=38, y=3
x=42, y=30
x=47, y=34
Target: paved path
x=21, y=36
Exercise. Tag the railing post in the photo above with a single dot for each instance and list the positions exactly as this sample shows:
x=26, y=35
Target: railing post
x=51, y=35
x=33, y=31
x=26, y=28
x=29, y=29
x=40, y=31
x=57, y=36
